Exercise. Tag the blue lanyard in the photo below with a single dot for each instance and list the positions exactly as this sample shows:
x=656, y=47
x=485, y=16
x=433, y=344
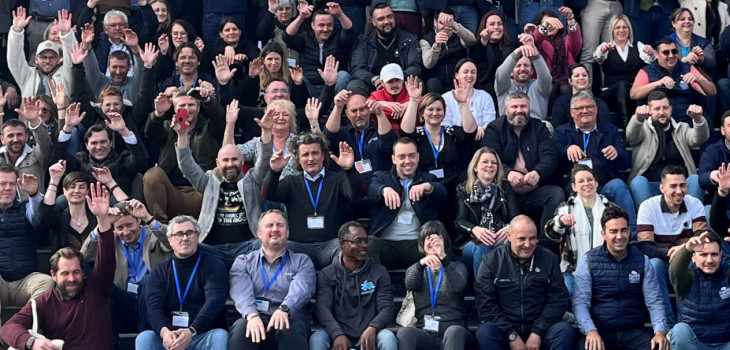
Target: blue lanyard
x=182, y=297
x=586, y=138
x=434, y=292
x=195, y=82
x=268, y=284
x=319, y=192
x=362, y=139
x=435, y=151
x=135, y=264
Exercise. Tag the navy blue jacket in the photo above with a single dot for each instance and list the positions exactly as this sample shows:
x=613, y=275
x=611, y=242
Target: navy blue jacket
x=605, y=135
x=426, y=209
x=18, y=243
x=376, y=148
x=617, y=302
x=678, y=97
x=711, y=159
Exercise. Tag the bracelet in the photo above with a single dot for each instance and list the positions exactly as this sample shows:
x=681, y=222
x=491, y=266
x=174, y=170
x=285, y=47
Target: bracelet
x=52, y=184
x=113, y=188
x=413, y=99
x=149, y=222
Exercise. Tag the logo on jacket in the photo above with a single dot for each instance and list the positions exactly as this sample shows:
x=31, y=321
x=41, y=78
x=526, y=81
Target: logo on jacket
x=367, y=287
x=634, y=277
x=724, y=293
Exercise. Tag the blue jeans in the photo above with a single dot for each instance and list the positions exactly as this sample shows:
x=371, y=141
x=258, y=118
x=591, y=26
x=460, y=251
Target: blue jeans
x=650, y=26
x=467, y=16
x=230, y=251
x=343, y=78
x=642, y=189
x=616, y=191
x=385, y=340
x=559, y=337
x=212, y=339
x=527, y=11
x=356, y=13
x=682, y=337
x=129, y=311
x=212, y=20
x=472, y=255
x=569, y=282
x=661, y=269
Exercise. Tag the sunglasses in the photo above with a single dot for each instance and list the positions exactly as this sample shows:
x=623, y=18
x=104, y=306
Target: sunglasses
x=674, y=52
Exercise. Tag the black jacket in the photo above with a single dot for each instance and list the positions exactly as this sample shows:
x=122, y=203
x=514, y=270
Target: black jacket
x=523, y=297
x=468, y=214
x=366, y=49
x=306, y=44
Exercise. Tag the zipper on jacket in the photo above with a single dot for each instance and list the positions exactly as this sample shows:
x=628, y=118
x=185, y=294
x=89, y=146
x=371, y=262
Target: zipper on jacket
x=522, y=297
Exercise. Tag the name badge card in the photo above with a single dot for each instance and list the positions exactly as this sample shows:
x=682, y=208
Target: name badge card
x=132, y=288
x=315, y=222
x=431, y=323
x=262, y=305
x=587, y=162
x=439, y=173
x=180, y=319
x=405, y=218
x=363, y=166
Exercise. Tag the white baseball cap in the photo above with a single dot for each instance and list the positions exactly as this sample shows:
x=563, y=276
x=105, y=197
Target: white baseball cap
x=391, y=71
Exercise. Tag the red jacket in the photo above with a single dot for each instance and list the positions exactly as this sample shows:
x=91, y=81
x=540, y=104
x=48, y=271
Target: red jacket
x=573, y=44
x=403, y=97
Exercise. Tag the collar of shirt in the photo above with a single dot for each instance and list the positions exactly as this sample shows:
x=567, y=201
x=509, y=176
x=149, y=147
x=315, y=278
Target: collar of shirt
x=727, y=144
x=316, y=177
x=595, y=128
x=134, y=246
x=665, y=207
x=116, y=47
x=26, y=150
x=624, y=53
x=262, y=257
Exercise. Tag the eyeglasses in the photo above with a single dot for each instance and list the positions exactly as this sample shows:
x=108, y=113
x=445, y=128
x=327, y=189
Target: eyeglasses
x=117, y=25
x=359, y=241
x=47, y=58
x=189, y=234
x=583, y=108
x=674, y=52
x=278, y=91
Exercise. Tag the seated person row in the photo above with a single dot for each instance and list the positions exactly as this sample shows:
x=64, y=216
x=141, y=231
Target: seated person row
x=715, y=155
x=442, y=48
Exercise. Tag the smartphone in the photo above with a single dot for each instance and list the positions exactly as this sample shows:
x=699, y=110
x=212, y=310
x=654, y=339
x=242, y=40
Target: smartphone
x=195, y=93
x=180, y=120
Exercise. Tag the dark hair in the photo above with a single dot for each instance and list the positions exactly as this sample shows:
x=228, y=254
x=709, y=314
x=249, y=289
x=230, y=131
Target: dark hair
x=549, y=13
x=66, y=253
x=13, y=123
x=575, y=66
x=227, y=20
x=320, y=12
x=192, y=34
x=578, y=168
x=664, y=41
x=678, y=12
x=433, y=227
x=463, y=61
x=613, y=211
x=98, y=128
x=74, y=177
x=345, y=229
x=446, y=11
x=404, y=141
x=308, y=138
x=275, y=80
x=9, y=168
x=673, y=169
x=378, y=6
x=502, y=43
x=119, y=55
x=655, y=96
x=722, y=119
x=713, y=237
x=48, y=101
x=187, y=44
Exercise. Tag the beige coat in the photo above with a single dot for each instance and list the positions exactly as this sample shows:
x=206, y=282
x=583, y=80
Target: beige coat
x=643, y=138
x=699, y=11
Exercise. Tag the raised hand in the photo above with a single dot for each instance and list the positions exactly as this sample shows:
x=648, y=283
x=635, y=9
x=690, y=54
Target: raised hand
x=98, y=200
x=87, y=35
x=643, y=112
x=130, y=39
x=278, y=161
x=695, y=112
x=78, y=54
x=28, y=183
x=57, y=170
x=552, y=22
x=31, y=109
x=163, y=42
x=12, y=97
x=102, y=175
x=273, y=6
x=414, y=87
x=347, y=156
x=267, y=121
x=723, y=183
x=149, y=55
x=375, y=107
x=20, y=19
x=138, y=210
x=73, y=117
x=566, y=12
x=297, y=74
x=461, y=91
x=163, y=103
x=334, y=8
x=116, y=122
x=329, y=75
x=311, y=110
x=255, y=67
x=200, y=44
x=232, y=112
x=305, y=9
x=223, y=72
x=3, y=99
x=695, y=243
x=342, y=97
x=64, y=21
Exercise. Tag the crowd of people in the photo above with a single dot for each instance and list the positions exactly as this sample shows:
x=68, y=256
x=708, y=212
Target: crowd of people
x=560, y=158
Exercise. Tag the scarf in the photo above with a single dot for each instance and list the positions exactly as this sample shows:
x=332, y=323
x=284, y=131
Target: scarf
x=487, y=197
x=560, y=60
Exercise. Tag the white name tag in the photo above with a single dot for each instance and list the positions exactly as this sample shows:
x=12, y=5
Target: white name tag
x=132, y=288
x=363, y=166
x=315, y=222
x=405, y=218
x=587, y=162
x=180, y=319
x=439, y=173
x=431, y=323
x=262, y=305
x=292, y=62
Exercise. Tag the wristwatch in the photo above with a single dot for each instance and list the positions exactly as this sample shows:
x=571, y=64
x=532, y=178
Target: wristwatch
x=193, y=332
x=512, y=336
x=29, y=343
x=284, y=308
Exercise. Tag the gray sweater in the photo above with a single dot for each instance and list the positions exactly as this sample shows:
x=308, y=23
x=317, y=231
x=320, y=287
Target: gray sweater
x=450, y=300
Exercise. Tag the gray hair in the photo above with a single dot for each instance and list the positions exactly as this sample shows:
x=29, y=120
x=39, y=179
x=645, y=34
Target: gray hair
x=517, y=94
x=181, y=219
x=582, y=95
x=113, y=13
x=182, y=91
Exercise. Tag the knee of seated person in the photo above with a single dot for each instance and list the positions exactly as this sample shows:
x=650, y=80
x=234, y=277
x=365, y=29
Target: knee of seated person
x=681, y=332
x=405, y=333
x=146, y=338
x=153, y=175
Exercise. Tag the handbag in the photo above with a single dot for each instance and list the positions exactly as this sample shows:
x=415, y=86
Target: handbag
x=407, y=313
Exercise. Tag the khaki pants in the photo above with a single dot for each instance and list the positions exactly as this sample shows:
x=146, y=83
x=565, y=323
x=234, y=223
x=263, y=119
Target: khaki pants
x=165, y=201
x=17, y=293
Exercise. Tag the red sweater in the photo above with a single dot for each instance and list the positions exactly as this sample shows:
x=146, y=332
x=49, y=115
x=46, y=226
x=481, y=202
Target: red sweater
x=382, y=95
x=83, y=322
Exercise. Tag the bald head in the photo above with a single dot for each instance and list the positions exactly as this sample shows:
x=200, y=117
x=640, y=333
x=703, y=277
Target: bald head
x=229, y=162
x=522, y=237
x=358, y=112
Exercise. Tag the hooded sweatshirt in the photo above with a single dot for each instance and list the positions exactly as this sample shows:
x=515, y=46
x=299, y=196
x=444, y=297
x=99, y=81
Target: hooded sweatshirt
x=348, y=302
